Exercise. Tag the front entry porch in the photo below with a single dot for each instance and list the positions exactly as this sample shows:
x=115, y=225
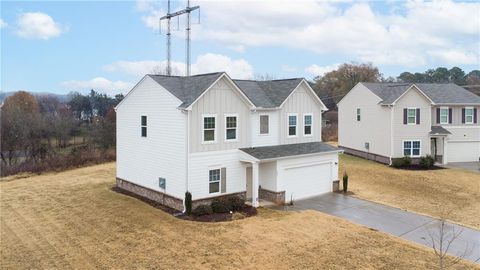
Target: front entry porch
x=438, y=144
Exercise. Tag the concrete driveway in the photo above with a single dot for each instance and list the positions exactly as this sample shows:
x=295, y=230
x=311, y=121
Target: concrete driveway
x=407, y=225
x=471, y=166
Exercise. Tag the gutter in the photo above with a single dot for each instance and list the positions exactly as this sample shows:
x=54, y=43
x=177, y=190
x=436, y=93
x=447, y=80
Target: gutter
x=295, y=156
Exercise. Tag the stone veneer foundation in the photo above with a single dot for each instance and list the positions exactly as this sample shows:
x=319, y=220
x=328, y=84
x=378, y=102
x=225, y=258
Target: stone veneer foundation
x=366, y=155
x=272, y=196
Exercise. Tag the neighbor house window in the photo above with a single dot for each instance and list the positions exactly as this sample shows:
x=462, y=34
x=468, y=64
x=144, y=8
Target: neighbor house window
x=292, y=125
x=358, y=114
x=411, y=148
x=214, y=181
x=231, y=127
x=144, y=125
x=209, y=128
x=307, y=124
x=469, y=115
x=264, y=124
x=444, y=115
x=412, y=116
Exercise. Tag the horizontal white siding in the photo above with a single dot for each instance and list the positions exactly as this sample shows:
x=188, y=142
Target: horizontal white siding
x=201, y=163
x=456, y=116
x=142, y=160
x=272, y=138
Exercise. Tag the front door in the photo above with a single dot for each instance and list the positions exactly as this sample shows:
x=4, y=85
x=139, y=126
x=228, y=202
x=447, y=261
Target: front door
x=433, y=148
x=249, y=175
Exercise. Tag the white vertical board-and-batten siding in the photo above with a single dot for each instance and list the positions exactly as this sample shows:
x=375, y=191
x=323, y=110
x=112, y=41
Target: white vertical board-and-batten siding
x=401, y=132
x=142, y=160
x=374, y=125
x=272, y=138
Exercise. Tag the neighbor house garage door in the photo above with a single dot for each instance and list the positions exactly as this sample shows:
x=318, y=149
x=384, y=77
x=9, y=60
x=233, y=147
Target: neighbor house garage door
x=307, y=181
x=463, y=151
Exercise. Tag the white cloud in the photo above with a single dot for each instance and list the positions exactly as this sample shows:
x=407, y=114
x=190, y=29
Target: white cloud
x=236, y=68
x=288, y=68
x=354, y=30
x=33, y=25
x=317, y=70
x=3, y=23
x=98, y=84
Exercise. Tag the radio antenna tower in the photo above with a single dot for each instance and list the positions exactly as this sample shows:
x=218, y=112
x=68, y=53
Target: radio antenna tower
x=168, y=17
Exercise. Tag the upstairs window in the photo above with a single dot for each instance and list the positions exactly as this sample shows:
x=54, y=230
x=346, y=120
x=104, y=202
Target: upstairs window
x=231, y=128
x=264, y=128
x=292, y=125
x=469, y=112
x=307, y=124
x=411, y=116
x=411, y=148
x=214, y=181
x=444, y=116
x=358, y=114
x=144, y=125
x=208, y=128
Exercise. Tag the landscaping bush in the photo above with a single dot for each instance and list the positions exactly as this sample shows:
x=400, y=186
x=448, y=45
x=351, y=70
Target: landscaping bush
x=407, y=161
x=188, y=203
x=202, y=210
x=427, y=162
x=397, y=162
x=235, y=203
x=220, y=206
x=345, y=182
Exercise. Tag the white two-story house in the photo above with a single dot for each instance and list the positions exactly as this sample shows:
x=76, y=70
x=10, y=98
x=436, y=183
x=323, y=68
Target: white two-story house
x=214, y=136
x=384, y=121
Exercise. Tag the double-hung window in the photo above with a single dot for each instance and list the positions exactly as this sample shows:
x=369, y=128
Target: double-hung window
x=469, y=115
x=307, y=124
x=358, y=114
x=264, y=128
x=209, y=123
x=292, y=125
x=231, y=127
x=214, y=181
x=444, y=115
x=144, y=125
x=411, y=148
x=411, y=116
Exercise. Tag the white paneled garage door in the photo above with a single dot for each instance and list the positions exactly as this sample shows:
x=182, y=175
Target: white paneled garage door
x=463, y=151
x=307, y=181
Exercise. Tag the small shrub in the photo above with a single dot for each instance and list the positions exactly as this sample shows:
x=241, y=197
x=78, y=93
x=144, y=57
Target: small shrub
x=188, y=203
x=220, y=206
x=345, y=182
x=397, y=162
x=427, y=162
x=202, y=210
x=407, y=161
x=235, y=203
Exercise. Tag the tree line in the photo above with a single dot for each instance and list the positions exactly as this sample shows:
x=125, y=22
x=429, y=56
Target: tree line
x=41, y=133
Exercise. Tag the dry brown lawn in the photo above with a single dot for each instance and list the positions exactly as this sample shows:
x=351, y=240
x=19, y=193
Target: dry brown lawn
x=73, y=220
x=453, y=193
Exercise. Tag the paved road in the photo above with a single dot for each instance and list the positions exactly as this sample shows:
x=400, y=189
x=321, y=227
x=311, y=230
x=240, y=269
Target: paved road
x=471, y=166
x=404, y=224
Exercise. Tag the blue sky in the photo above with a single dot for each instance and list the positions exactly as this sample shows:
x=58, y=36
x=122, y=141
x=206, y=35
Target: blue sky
x=63, y=46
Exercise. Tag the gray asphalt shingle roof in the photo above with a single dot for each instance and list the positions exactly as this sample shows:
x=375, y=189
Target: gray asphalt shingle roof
x=287, y=150
x=446, y=93
x=265, y=94
x=439, y=130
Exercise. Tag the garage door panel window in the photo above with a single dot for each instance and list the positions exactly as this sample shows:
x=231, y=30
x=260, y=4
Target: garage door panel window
x=214, y=181
x=411, y=148
x=292, y=125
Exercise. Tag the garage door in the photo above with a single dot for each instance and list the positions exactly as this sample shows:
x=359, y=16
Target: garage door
x=463, y=151
x=307, y=181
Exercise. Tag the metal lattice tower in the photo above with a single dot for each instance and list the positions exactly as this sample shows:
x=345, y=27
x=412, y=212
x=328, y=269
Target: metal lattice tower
x=168, y=17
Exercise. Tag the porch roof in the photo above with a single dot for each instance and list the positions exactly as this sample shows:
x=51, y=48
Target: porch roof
x=439, y=130
x=289, y=150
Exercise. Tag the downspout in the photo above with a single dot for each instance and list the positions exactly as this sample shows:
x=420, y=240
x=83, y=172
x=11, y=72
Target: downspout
x=392, y=113
x=187, y=151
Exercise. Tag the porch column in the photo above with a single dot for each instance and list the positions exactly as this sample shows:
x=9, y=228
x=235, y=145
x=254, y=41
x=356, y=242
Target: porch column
x=445, y=144
x=255, y=200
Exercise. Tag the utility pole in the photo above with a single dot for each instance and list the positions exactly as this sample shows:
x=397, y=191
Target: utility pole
x=168, y=17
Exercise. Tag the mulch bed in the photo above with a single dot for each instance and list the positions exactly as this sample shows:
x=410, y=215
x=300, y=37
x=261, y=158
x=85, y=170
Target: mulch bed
x=415, y=167
x=247, y=210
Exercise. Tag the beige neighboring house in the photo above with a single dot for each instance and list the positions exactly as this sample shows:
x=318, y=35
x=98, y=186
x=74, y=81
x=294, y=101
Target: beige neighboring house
x=384, y=121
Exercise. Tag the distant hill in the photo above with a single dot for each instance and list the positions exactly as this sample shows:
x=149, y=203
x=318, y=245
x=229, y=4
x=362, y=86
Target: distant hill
x=61, y=98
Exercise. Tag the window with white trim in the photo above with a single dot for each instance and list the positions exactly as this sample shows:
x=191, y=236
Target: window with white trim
x=411, y=148
x=231, y=127
x=292, y=125
x=264, y=128
x=209, y=128
x=214, y=181
x=469, y=115
x=307, y=124
x=358, y=114
x=144, y=125
x=444, y=115
x=412, y=116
